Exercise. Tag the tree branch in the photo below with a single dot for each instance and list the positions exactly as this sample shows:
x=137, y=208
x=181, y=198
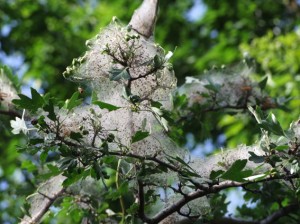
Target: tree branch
x=280, y=213
x=41, y=201
x=214, y=189
x=268, y=220
x=141, y=210
x=11, y=113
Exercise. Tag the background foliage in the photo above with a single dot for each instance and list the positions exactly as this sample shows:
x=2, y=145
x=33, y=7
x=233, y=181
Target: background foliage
x=47, y=35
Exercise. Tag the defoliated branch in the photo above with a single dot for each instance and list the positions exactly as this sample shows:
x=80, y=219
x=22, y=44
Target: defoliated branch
x=11, y=113
x=268, y=220
x=214, y=189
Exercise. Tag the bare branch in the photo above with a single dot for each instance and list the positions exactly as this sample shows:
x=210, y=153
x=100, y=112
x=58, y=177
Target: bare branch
x=200, y=193
x=43, y=199
x=268, y=220
x=11, y=113
x=141, y=211
x=280, y=213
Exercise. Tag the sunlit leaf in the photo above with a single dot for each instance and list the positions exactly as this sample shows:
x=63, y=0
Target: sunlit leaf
x=235, y=172
x=28, y=165
x=73, y=101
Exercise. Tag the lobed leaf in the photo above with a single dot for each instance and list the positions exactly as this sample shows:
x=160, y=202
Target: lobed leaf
x=236, y=173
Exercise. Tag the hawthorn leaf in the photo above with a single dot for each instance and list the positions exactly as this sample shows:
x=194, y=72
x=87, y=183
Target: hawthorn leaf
x=281, y=147
x=50, y=109
x=139, y=135
x=272, y=125
x=262, y=84
x=255, y=158
x=236, y=173
x=156, y=104
x=76, y=136
x=215, y=174
x=98, y=170
x=44, y=156
x=107, y=106
x=73, y=101
x=32, y=104
x=28, y=165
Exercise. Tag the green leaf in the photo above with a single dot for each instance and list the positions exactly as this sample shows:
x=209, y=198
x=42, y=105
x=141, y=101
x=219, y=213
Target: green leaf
x=117, y=74
x=24, y=102
x=50, y=109
x=76, y=136
x=139, y=135
x=180, y=101
x=28, y=165
x=26, y=208
x=115, y=194
x=98, y=170
x=37, y=98
x=215, y=174
x=262, y=84
x=35, y=141
x=110, y=160
x=281, y=147
x=272, y=125
x=104, y=146
x=44, y=156
x=32, y=104
x=275, y=158
x=235, y=172
x=64, y=151
x=72, y=178
x=47, y=97
x=73, y=101
x=53, y=168
x=257, y=113
x=255, y=158
x=107, y=106
x=66, y=162
x=133, y=208
x=77, y=214
x=156, y=104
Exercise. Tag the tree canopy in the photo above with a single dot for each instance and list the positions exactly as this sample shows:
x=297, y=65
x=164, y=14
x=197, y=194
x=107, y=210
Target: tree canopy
x=101, y=123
